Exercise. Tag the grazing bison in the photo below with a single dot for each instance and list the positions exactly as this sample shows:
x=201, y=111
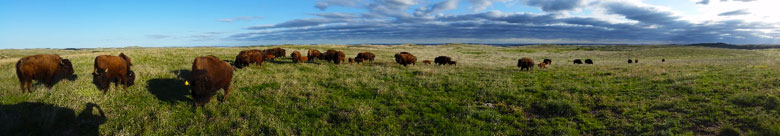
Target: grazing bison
x=525, y=63
x=277, y=52
x=442, y=60
x=334, y=56
x=663, y=60
x=297, y=57
x=314, y=54
x=636, y=61
x=46, y=68
x=588, y=61
x=427, y=61
x=247, y=57
x=630, y=61
x=454, y=63
x=547, y=61
x=405, y=58
x=208, y=75
x=577, y=61
x=366, y=56
x=115, y=69
x=268, y=57
x=351, y=60
x=542, y=65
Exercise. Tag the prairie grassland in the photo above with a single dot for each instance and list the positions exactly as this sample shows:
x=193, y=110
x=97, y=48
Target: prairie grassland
x=697, y=91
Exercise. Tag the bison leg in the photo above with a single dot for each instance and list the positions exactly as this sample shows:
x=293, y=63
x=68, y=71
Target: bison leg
x=124, y=83
x=227, y=92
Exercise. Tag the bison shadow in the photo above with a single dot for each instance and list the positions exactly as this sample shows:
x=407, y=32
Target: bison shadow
x=281, y=62
x=170, y=89
x=28, y=118
x=57, y=80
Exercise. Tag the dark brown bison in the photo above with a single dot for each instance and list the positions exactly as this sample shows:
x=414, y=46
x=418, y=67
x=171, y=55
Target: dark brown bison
x=442, y=60
x=588, y=61
x=542, y=65
x=547, y=61
x=663, y=60
x=314, y=54
x=366, y=56
x=247, y=57
x=115, y=69
x=427, y=61
x=577, y=61
x=277, y=52
x=630, y=61
x=46, y=68
x=359, y=60
x=454, y=63
x=405, y=58
x=636, y=61
x=525, y=63
x=351, y=60
x=334, y=56
x=208, y=75
x=297, y=57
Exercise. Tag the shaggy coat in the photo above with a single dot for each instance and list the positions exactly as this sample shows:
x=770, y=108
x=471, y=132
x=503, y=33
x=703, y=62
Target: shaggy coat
x=405, y=58
x=359, y=60
x=247, y=57
x=577, y=61
x=115, y=69
x=334, y=56
x=314, y=54
x=351, y=60
x=277, y=52
x=46, y=68
x=366, y=56
x=525, y=63
x=297, y=57
x=208, y=75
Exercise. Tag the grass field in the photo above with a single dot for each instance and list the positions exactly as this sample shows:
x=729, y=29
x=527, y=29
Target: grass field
x=697, y=91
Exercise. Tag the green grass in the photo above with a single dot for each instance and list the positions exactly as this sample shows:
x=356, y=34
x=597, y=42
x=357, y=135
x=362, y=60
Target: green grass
x=697, y=91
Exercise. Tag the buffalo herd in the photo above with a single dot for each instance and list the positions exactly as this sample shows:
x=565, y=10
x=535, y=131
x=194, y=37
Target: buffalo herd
x=209, y=73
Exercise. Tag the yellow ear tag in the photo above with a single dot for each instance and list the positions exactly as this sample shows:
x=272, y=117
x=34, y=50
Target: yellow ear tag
x=186, y=83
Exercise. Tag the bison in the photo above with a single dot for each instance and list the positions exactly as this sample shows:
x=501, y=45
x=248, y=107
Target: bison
x=525, y=63
x=246, y=57
x=636, y=61
x=663, y=60
x=366, y=56
x=405, y=58
x=297, y=57
x=588, y=61
x=630, y=61
x=115, y=69
x=208, y=75
x=314, y=54
x=334, y=56
x=454, y=63
x=46, y=68
x=542, y=65
x=269, y=57
x=547, y=61
x=577, y=61
x=442, y=60
x=427, y=61
x=351, y=60
x=359, y=60
x=277, y=52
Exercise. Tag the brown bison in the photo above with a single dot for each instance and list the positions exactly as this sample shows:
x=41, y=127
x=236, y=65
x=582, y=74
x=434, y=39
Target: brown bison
x=443, y=60
x=588, y=61
x=46, y=68
x=115, y=69
x=334, y=56
x=269, y=57
x=542, y=65
x=547, y=61
x=351, y=60
x=297, y=57
x=366, y=56
x=525, y=63
x=427, y=61
x=277, y=52
x=314, y=54
x=405, y=58
x=208, y=75
x=359, y=60
x=577, y=61
x=247, y=57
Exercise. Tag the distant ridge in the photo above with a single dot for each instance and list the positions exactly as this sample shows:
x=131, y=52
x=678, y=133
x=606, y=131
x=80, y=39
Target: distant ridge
x=731, y=46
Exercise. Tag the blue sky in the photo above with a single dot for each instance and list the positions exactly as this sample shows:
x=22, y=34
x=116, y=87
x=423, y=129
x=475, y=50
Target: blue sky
x=93, y=23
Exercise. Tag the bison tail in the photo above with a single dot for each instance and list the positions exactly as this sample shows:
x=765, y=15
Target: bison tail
x=19, y=70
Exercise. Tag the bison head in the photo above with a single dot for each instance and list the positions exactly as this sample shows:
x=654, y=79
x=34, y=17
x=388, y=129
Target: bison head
x=65, y=69
x=130, y=78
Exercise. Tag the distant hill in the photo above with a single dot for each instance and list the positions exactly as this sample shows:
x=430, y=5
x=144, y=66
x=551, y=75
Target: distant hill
x=732, y=46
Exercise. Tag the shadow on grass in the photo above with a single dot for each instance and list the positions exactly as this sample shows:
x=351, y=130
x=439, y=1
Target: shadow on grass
x=46, y=119
x=170, y=89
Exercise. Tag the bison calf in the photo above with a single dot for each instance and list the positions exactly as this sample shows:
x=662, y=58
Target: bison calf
x=427, y=61
x=525, y=63
x=115, y=69
x=542, y=65
x=208, y=75
x=46, y=68
x=547, y=61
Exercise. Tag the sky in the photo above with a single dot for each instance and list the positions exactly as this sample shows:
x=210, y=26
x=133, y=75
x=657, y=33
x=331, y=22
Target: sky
x=176, y=23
